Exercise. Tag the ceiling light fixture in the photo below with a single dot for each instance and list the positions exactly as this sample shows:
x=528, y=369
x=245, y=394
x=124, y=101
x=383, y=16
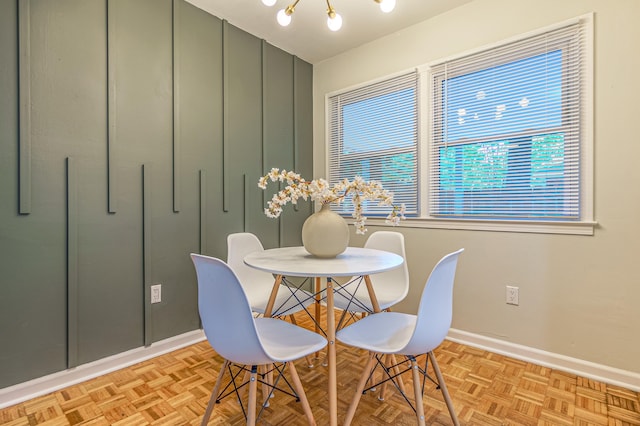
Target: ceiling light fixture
x=334, y=20
x=385, y=5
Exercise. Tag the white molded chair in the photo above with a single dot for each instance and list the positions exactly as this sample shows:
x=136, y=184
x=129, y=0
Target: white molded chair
x=390, y=287
x=259, y=284
x=241, y=339
x=395, y=333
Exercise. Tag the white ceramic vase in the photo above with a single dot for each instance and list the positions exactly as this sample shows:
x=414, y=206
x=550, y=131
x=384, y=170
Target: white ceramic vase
x=325, y=233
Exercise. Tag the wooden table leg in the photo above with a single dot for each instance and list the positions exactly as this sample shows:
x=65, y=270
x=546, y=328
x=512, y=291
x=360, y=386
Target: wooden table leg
x=372, y=294
x=318, y=288
x=272, y=297
x=268, y=310
x=331, y=350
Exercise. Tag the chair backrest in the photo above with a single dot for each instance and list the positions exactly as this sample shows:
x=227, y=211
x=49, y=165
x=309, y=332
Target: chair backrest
x=238, y=246
x=393, y=284
x=436, y=306
x=225, y=313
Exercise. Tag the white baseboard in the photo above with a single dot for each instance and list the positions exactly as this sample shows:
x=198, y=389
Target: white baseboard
x=43, y=385
x=615, y=376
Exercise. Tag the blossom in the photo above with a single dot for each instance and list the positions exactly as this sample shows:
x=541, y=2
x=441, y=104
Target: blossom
x=358, y=190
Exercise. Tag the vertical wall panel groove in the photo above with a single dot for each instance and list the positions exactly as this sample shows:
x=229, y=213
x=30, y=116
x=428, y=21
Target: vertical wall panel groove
x=203, y=219
x=176, y=104
x=225, y=116
x=72, y=264
x=24, y=89
x=296, y=142
x=112, y=201
x=280, y=231
x=245, y=193
x=146, y=255
x=203, y=211
x=296, y=208
x=264, y=106
x=263, y=138
x=294, y=82
x=264, y=115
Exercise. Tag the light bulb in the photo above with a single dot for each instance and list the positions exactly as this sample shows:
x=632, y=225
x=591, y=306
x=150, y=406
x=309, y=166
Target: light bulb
x=284, y=19
x=268, y=2
x=386, y=5
x=334, y=23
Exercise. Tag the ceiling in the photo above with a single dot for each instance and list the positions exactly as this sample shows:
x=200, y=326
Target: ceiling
x=308, y=36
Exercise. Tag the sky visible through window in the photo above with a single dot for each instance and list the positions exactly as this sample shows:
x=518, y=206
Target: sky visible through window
x=365, y=130
x=505, y=99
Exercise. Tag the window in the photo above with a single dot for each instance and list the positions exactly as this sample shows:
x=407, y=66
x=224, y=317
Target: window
x=508, y=138
x=373, y=133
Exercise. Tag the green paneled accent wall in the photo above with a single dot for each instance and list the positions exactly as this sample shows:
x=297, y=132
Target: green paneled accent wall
x=131, y=134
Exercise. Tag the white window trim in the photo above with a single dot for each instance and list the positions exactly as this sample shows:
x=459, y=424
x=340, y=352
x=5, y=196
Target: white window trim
x=585, y=226
x=546, y=227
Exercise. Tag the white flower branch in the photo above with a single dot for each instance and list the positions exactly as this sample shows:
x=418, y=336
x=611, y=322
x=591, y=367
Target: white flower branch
x=319, y=190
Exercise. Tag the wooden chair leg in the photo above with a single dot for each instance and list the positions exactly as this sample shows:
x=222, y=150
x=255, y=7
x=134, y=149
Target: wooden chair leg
x=356, y=397
x=417, y=392
x=390, y=359
x=306, y=357
x=372, y=383
x=396, y=371
x=301, y=394
x=270, y=379
x=266, y=389
x=242, y=393
x=443, y=389
x=253, y=390
x=383, y=391
x=214, y=394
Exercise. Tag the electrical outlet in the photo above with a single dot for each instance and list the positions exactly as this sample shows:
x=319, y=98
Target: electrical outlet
x=513, y=297
x=156, y=293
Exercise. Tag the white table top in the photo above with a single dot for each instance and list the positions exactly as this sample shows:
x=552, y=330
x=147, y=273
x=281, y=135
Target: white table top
x=297, y=262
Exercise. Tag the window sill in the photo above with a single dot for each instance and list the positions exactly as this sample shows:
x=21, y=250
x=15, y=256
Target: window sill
x=539, y=227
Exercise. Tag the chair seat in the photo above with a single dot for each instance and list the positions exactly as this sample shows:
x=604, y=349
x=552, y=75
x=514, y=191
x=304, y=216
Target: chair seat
x=285, y=341
x=384, y=332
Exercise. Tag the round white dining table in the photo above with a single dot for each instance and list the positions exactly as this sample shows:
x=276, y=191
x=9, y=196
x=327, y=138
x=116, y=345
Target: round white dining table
x=297, y=262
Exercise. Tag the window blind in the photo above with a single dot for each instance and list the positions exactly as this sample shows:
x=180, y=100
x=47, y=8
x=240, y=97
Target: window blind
x=373, y=133
x=506, y=130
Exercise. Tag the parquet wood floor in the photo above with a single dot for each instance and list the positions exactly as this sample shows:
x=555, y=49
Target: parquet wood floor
x=486, y=388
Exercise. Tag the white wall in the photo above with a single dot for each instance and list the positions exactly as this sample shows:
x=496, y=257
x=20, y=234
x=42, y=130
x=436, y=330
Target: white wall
x=579, y=295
